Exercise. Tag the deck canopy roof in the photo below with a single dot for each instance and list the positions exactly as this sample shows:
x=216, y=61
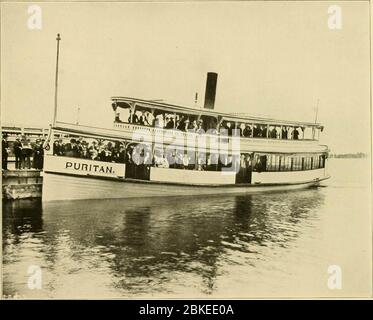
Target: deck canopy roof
x=127, y=102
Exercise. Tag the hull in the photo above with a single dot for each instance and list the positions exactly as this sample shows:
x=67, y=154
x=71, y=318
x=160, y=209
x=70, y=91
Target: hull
x=70, y=187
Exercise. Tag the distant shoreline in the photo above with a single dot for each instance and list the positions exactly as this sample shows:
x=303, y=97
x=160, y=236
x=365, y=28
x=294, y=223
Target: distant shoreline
x=359, y=155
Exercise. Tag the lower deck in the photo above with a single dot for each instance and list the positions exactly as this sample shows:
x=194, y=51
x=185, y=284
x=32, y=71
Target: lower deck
x=68, y=178
x=60, y=186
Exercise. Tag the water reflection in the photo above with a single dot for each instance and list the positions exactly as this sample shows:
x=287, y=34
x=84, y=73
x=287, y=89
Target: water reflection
x=148, y=246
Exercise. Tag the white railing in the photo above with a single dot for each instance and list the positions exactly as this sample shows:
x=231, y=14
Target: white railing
x=129, y=128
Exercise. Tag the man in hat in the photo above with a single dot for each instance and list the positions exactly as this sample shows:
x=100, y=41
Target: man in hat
x=170, y=124
x=75, y=147
x=57, y=147
x=26, y=153
x=4, y=152
x=38, y=155
x=93, y=150
x=295, y=133
x=284, y=132
x=17, y=149
x=185, y=125
x=200, y=129
x=133, y=118
x=229, y=128
x=247, y=131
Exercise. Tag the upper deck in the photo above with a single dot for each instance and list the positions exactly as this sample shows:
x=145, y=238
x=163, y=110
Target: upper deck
x=157, y=108
x=181, y=122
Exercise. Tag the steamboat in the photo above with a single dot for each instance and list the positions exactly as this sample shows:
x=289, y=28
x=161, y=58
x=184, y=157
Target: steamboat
x=161, y=149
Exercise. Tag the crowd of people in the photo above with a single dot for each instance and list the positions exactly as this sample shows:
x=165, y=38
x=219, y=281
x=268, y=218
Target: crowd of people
x=27, y=155
x=98, y=150
x=137, y=155
x=184, y=123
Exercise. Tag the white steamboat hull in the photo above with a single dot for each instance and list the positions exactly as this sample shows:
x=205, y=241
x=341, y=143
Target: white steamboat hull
x=70, y=187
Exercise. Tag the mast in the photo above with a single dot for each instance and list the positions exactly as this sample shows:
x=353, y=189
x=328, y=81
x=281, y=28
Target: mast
x=317, y=110
x=56, y=81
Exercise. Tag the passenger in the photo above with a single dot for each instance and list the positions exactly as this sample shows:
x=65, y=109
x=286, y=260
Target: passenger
x=38, y=154
x=212, y=162
x=105, y=154
x=273, y=133
x=236, y=130
x=229, y=128
x=122, y=154
x=117, y=117
x=79, y=147
x=56, y=147
x=170, y=124
x=185, y=161
x=181, y=122
x=4, y=152
x=68, y=148
x=200, y=129
x=147, y=158
x=133, y=118
x=193, y=126
x=93, y=150
x=142, y=119
x=185, y=125
x=284, y=133
x=256, y=131
x=149, y=119
x=264, y=131
x=17, y=149
x=164, y=163
x=129, y=154
x=213, y=131
x=179, y=159
x=157, y=159
x=159, y=121
x=85, y=152
x=229, y=160
x=295, y=133
x=26, y=153
x=258, y=165
x=178, y=125
x=171, y=158
x=247, y=131
x=201, y=162
x=75, y=148
x=167, y=120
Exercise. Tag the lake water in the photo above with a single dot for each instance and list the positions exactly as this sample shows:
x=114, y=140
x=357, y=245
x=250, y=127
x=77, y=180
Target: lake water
x=262, y=245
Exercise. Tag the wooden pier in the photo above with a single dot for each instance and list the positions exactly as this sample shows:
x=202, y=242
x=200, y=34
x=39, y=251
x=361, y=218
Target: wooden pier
x=27, y=183
x=21, y=184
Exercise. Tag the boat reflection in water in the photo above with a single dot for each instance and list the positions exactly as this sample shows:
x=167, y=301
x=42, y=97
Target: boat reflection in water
x=143, y=247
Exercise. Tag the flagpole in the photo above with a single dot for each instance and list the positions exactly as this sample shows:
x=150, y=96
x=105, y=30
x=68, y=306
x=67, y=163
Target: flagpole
x=56, y=81
x=317, y=110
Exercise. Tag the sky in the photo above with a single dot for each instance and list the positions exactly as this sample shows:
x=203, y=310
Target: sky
x=273, y=59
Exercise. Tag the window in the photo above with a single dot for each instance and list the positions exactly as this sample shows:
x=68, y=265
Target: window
x=273, y=162
x=297, y=165
x=322, y=161
x=282, y=164
x=288, y=163
x=260, y=163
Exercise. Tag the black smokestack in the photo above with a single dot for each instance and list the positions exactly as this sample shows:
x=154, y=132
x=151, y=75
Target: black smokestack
x=210, y=93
